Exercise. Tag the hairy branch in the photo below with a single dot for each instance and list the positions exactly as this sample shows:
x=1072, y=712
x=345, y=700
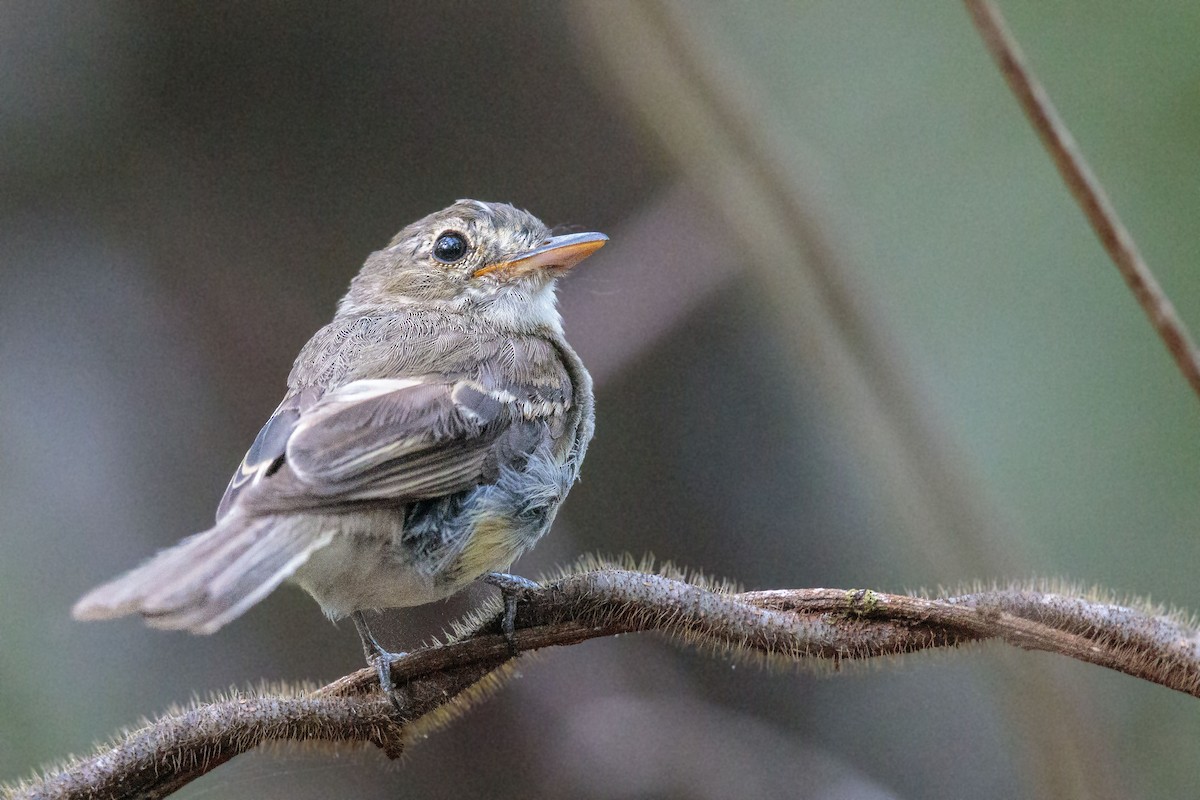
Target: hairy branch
x=783, y=626
x=1086, y=188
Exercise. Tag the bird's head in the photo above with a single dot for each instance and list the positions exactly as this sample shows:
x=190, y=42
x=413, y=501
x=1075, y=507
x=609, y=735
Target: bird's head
x=489, y=259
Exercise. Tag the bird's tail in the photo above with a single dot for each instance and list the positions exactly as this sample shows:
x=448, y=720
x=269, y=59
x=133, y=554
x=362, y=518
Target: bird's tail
x=207, y=579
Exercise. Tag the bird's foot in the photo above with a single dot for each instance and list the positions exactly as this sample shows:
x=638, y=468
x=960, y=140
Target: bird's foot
x=382, y=663
x=512, y=589
x=380, y=659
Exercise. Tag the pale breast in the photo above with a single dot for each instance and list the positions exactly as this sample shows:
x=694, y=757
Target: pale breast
x=361, y=568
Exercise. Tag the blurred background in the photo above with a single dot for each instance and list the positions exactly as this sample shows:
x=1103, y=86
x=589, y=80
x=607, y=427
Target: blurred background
x=851, y=331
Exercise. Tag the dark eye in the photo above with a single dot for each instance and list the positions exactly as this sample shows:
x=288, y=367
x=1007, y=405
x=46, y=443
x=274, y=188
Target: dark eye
x=450, y=247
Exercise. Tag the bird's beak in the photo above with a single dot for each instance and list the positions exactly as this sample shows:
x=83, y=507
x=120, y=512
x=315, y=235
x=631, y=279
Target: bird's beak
x=558, y=253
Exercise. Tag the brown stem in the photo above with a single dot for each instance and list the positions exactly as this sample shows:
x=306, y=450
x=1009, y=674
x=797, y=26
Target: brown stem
x=1086, y=188
x=785, y=625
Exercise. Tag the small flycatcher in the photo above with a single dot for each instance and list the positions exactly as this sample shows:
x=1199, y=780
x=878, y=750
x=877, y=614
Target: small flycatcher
x=428, y=436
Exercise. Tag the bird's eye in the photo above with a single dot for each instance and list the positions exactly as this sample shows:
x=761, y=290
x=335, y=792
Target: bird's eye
x=450, y=247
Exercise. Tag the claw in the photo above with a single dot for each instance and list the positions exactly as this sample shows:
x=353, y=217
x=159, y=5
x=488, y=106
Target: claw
x=511, y=587
x=379, y=658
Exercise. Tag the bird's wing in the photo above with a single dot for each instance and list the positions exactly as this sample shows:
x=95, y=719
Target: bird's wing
x=395, y=440
x=263, y=456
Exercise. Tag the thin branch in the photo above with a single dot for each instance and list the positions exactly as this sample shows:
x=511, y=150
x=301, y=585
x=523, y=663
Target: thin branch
x=695, y=95
x=156, y=760
x=707, y=110
x=783, y=626
x=1086, y=188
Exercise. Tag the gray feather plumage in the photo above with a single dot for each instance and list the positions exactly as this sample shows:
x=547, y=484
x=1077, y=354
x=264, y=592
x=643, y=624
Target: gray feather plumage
x=405, y=428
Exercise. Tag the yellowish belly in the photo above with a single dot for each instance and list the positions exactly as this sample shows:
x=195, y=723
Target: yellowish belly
x=494, y=545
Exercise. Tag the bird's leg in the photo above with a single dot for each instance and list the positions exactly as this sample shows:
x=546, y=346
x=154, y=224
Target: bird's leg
x=511, y=587
x=378, y=658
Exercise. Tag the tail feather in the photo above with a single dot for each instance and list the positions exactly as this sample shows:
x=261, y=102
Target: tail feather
x=208, y=579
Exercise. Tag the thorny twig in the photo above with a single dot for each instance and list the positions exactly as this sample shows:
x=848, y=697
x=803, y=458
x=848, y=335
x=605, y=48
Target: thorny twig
x=783, y=626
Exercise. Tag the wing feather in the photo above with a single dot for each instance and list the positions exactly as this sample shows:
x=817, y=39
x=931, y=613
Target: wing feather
x=268, y=447
x=395, y=440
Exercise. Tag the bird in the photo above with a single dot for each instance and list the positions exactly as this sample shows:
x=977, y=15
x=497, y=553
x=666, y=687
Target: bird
x=427, y=438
